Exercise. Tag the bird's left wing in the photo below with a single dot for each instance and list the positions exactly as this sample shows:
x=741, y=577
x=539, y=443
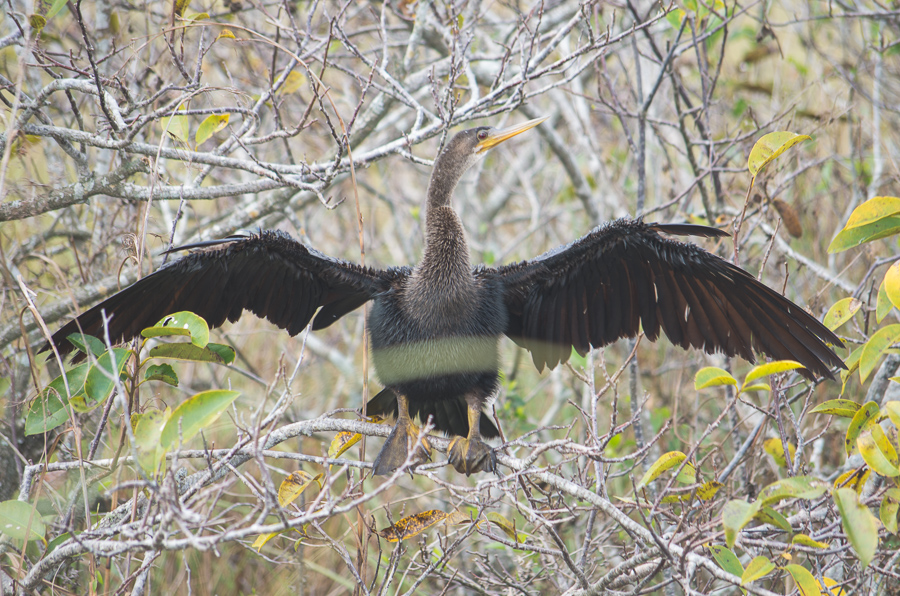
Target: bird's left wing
x=624, y=276
x=268, y=273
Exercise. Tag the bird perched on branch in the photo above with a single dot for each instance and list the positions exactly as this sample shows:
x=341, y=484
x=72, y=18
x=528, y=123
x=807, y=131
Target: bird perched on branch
x=435, y=328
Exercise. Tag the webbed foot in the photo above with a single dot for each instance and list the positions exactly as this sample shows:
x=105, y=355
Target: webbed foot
x=398, y=445
x=471, y=455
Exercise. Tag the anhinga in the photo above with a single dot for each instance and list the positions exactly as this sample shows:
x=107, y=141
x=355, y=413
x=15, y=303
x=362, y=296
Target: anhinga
x=435, y=327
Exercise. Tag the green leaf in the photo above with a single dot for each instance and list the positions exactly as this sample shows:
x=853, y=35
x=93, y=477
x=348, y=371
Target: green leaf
x=195, y=413
x=667, y=461
x=162, y=372
x=859, y=524
x=875, y=348
x=49, y=410
x=865, y=417
x=726, y=559
x=878, y=452
x=805, y=581
x=890, y=505
x=735, y=515
x=798, y=487
x=837, y=407
x=5, y=384
x=57, y=6
x=770, y=147
x=873, y=210
x=867, y=233
x=226, y=353
x=767, y=515
x=841, y=312
x=883, y=304
x=177, y=324
x=101, y=379
x=87, y=344
x=15, y=517
x=758, y=568
x=178, y=127
x=185, y=351
x=210, y=126
x=770, y=368
x=147, y=433
x=51, y=546
x=756, y=387
x=712, y=376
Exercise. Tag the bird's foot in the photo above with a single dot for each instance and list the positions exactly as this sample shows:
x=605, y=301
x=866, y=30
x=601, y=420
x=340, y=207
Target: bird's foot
x=471, y=455
x=398, y=445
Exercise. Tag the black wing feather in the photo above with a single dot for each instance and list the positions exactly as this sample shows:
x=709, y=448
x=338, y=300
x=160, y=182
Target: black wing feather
x=632, y=276
x=267, y=273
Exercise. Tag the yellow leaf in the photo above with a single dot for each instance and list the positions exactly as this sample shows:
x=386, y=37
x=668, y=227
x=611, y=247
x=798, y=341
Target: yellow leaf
x=225, y=34
x=758, y=568
x=775, y=448
x=412, y=525
x=770, y=368
x=878, y=452
x=180, y=6
x=805, y=581
x=841, y=312
x=712, y=376
x=210, y=126
x=891, y=409
x=804, y=540
x=872, y=210
x=666, y=461
x=342, y=442
x=769, y=147
x=855, y=479
x=294, y=485
x=892, y=284
x=262, y=539
x=293, y=83
x=865, y=417
x=831, y=587
x=708, y=490
x=837, y=407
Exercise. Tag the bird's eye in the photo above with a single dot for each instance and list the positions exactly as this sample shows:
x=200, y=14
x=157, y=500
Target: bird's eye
x=482, y=135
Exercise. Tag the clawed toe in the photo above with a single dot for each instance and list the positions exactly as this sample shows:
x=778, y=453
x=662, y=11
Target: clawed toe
x=471, y=455
x=397, y=447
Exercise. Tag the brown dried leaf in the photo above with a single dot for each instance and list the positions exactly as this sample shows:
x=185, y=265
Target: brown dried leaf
x=412, y=525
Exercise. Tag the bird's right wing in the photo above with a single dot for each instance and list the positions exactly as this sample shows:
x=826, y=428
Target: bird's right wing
x=268, y=273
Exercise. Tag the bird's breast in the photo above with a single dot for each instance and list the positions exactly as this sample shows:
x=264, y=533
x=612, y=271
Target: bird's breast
x=430, y=336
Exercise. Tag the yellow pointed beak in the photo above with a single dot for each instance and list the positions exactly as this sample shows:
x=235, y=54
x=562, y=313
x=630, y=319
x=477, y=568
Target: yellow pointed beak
x=498, y=136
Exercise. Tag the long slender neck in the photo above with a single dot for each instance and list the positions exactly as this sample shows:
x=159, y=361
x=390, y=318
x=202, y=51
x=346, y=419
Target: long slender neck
x=445, y=264
x=445, y=239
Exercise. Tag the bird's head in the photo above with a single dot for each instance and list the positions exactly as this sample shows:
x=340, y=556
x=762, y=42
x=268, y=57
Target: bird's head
x=464, y=149
x=468, y=146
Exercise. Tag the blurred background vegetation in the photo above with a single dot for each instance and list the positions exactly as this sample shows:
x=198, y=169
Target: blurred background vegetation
x=653, y=111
